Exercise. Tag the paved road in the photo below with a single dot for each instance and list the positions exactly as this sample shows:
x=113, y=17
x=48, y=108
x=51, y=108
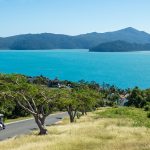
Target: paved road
x=27, y=126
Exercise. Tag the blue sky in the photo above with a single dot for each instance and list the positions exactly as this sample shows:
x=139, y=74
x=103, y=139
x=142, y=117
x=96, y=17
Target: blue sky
x=72, y=16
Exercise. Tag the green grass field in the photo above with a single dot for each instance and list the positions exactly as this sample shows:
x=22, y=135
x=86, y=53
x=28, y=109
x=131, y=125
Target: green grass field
x=138, y=116
x=104, y=129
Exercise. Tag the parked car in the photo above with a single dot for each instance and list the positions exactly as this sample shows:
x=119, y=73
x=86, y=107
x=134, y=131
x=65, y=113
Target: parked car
x=2, y=126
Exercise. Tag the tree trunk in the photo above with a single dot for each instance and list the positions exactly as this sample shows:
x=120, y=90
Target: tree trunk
x=85, y=112
x=82, y=113
x=72, y=113
x=71, y=118
x=43, y=130
x=42, y=120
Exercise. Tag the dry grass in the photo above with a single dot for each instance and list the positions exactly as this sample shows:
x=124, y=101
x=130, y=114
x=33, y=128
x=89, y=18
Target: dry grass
x=87, y=134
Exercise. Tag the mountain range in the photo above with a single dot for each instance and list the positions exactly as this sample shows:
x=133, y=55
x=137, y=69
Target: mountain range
x=84, y=41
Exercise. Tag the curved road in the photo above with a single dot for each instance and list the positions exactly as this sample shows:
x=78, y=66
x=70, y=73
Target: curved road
x=27, y=126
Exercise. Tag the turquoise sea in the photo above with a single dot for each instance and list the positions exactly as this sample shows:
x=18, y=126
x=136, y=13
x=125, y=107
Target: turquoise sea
x=124, y=70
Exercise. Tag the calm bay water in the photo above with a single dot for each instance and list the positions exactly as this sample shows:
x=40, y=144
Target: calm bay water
x=121, y=69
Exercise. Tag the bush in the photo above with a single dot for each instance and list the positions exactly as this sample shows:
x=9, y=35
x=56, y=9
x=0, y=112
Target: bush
x=79, y=115
x=148, y=115
x=115, y=106
x=100, y=103
x=147, y=108
x=110, y=103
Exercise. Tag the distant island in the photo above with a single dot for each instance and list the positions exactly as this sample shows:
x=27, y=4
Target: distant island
x=122, y=40
x=120, y=46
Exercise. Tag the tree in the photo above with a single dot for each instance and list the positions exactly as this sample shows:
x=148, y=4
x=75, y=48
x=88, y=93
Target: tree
x=136, y=98
x=79, y=99
x=41, y=80
x=113, y=97
x=87, y=98
x=40, y=102
x=6, y=107
x=67, y=100
x=147, y=93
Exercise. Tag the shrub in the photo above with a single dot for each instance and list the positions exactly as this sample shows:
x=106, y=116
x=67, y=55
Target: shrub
x=147, y=108
x=100, y=103
x=79, y=115
x=109, y=103
x=148, y=115
x=115, y=106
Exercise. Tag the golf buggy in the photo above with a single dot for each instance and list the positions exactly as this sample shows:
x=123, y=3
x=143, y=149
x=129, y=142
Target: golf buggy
x=2, y=126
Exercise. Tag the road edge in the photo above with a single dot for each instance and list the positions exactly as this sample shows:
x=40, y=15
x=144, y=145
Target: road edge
x=29, y=119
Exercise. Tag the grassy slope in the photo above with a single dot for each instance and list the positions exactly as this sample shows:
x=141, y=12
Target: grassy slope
x=138, y=116
x=97, y=131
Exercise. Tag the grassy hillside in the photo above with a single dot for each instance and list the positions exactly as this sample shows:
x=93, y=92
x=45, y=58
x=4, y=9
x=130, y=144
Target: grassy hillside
x=101, y=130
x=138, y=116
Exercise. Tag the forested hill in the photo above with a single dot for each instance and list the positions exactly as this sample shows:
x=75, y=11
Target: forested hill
x=120, y=46
x=60, y=41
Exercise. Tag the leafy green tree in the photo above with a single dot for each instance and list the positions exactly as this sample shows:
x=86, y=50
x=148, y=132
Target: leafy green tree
x=67, y=101
x=136, y=98
x=147, y=95
x=87, y=98
x=6, y=107
x=36, y=100
x=41, y=80
x=114, y=98
x=79, y=99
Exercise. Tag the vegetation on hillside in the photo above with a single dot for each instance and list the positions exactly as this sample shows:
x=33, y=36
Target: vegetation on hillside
x=39, y=96
x=120, y=46
x=18, y=94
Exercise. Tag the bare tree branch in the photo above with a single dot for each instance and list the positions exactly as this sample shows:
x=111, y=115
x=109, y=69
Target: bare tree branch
x=34, y=105
x=27, y=109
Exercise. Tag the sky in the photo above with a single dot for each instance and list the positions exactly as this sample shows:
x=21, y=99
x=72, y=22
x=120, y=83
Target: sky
x=72, y=17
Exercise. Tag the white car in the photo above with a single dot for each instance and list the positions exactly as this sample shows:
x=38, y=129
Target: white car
x=2, y=126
